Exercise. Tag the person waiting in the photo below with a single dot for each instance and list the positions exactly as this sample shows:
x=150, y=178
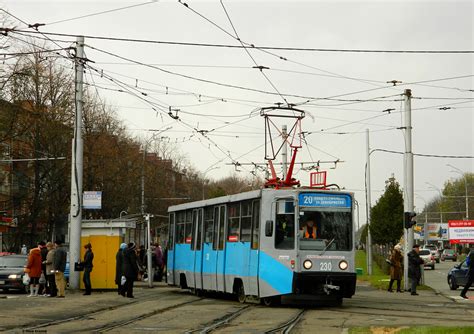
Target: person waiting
x=310, y=230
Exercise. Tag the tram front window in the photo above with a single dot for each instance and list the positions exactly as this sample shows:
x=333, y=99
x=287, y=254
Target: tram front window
x=325, y=231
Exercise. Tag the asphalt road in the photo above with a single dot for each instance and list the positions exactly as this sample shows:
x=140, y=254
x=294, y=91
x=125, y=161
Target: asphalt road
x=438, y=280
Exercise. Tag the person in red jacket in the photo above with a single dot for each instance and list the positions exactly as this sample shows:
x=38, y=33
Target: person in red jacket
x=33, y=268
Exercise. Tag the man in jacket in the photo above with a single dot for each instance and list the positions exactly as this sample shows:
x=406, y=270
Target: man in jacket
x=130, y=268
x=86, y=278
x=59, y=267
x=414, y=270
x=470, y=274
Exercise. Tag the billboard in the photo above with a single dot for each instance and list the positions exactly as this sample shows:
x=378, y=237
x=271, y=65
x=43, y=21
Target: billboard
x=461, y=231
x=437, y=232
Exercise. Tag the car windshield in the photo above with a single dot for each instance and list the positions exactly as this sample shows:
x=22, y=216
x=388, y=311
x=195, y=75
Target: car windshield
x=448, y=251
x=12, y=262
x=432, y=247
x=325, y=230
x=425, y=252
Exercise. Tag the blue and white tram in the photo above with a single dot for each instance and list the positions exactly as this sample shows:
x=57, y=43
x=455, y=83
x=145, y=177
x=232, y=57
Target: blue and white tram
x=253, y=244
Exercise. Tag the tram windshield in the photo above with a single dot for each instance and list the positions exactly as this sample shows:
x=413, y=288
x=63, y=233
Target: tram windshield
x=325, y=230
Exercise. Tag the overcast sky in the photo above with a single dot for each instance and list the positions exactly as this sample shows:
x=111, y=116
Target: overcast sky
x=336, y=129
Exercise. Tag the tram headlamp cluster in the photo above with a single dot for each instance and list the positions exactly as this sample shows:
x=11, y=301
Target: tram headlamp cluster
x=343, y=265
x=307, y=264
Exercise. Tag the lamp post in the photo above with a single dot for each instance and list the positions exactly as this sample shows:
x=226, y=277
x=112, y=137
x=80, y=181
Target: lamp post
x=432, y=186
x=457, y=170
x=147, y=217
x=204, y=178
x=124, y=212
x=425, y=225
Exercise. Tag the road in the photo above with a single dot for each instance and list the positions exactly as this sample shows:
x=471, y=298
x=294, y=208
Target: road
x=171, y=310
x=437, y=279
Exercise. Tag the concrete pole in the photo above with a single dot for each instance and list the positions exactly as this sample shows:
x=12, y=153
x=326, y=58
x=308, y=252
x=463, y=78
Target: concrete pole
x=76, y=171
x=409, y=182
x=369, y=205
x=148, y=253
x=284, y=152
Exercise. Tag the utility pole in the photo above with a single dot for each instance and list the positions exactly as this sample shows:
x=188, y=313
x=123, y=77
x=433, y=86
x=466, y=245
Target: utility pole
x=148, y=252
x=409, y=183
x=284, y=151
x=369, y=201
x=76, y=170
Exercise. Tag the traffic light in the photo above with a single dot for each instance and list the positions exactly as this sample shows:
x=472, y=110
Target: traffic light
x=409, y=219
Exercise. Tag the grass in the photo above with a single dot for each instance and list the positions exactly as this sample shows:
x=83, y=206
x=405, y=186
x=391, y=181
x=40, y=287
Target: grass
x=412, y=330
x=378, y=279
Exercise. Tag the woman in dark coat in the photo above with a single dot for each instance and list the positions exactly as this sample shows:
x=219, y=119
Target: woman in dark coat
x=119, y=268
x=395, y=268
x=130, y=268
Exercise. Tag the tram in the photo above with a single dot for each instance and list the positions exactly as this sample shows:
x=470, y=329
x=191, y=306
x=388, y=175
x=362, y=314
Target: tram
x=265, y=244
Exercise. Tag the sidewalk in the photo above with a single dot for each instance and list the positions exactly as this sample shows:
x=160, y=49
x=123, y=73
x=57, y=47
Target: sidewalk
x=18, y=310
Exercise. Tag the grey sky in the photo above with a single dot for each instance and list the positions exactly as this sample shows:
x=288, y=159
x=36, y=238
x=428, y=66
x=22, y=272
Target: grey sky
x=400, y=25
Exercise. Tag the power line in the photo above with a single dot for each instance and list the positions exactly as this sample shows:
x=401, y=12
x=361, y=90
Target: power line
x=100, y=13
x=119, y=39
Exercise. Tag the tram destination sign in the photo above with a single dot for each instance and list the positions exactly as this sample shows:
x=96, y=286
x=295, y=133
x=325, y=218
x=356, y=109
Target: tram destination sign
x=324, y=200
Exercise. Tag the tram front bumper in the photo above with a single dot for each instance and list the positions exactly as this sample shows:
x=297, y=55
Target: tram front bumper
x=324, y=283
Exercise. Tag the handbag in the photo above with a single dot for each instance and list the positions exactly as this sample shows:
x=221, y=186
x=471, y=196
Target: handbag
x=42, y=279
x=26, y=279
x=78, y=266
x=123, y=279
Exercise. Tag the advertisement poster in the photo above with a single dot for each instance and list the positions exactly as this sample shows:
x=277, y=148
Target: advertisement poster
x=461, y=231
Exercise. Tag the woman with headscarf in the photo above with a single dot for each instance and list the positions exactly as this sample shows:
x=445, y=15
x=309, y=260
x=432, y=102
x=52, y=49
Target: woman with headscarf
x=119, y=268
x=396, y=268
x=130, y=268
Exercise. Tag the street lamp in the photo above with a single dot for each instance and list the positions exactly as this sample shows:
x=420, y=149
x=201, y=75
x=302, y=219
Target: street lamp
x=459, y=171
x=432, y=186
x=147, y=217
x=204, y=177
x=124, y=212
x=425, y=225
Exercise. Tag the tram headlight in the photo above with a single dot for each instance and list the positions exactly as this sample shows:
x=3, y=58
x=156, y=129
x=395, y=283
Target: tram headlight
x=307, y=264
x=343, y=265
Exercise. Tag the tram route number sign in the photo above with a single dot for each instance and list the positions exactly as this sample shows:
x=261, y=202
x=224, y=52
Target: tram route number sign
x=324, y=200
x=461, y=231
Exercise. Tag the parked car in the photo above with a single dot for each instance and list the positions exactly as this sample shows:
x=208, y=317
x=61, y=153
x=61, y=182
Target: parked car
x=449, y=254
x=429, y=259
x=11, y=272
x=457, y=276
x=434, y=251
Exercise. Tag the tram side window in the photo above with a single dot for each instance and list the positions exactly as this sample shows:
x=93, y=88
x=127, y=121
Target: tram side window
x=246, y=221
x=285, y=225
x=189, y=225
x=193, y=229
x=255, y=224
x=216, y=228
x=234, y=222
x=180, y=227
x=171, y=232
x=199, y=230
x=208, y=225
x=221, y=227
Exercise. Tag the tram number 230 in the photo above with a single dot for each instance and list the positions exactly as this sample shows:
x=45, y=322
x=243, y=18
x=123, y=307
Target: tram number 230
x=325, y=266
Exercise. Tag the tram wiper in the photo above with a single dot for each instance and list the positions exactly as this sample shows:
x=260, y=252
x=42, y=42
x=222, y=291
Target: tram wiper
x=327, y=246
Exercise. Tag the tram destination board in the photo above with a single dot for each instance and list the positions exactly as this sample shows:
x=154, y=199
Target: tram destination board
x=324, y=200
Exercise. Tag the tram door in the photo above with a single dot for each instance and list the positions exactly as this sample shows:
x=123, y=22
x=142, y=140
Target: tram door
x=253, y=255
x=197, y=222
x=209, y=249
x=170, y=260
x=220, y=263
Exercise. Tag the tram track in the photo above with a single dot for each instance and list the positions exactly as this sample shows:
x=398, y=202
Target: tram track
x=90, y=315
x=287, y=326
x=220, y=322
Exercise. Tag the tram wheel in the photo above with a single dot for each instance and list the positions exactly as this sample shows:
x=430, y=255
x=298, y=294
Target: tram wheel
x=241, y=297
x=271, y=301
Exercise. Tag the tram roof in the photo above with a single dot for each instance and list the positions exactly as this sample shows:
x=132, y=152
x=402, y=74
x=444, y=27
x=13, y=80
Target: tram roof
x=244, y=196
x=218, y=200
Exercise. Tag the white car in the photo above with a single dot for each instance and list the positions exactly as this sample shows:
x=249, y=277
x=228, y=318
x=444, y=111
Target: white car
x=434, y=251
x=429, y=259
